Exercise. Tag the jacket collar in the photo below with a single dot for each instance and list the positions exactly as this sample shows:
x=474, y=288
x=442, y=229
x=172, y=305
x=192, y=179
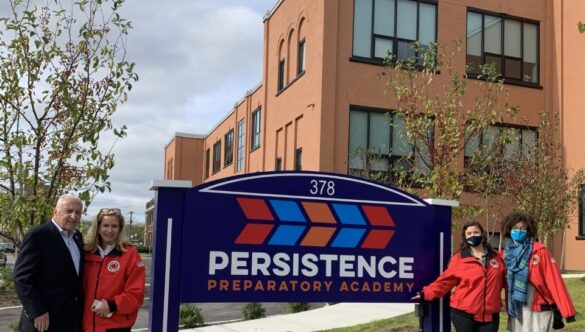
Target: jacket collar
x=466, y=253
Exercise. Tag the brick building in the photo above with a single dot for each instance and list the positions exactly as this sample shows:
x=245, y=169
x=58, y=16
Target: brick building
x=320, y=97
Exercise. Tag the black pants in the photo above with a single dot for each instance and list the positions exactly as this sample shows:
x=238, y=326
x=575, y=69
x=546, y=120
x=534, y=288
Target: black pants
x=464, y=322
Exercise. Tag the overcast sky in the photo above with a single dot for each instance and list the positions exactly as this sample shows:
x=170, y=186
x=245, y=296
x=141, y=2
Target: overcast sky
x=195, y=60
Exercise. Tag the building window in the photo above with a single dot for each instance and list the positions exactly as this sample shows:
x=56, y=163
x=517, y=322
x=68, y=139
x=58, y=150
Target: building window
x=216, y=156
x=207, y=162
x=241, y=145
x=298, y=159
x=379, y=146
x=510, y=44
x=519, y=141
x=301, y=60
x=382, y=26
x=228, y=151
x=278, y=164
x=170, y=169
x=581, y=212
x=281, y=69
x=256, y=122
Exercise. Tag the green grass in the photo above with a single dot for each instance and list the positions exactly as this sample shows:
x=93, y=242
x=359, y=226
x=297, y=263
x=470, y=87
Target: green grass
x=408, y=322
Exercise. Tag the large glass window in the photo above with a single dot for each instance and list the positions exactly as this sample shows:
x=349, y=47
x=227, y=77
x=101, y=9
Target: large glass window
x=519, y=141
x=298, y=159
x=301, y=60
x=281, y=68
x=241, y=145
x=256, y=122
x=382, y=26
x=228, y=148
x=378, y=144
x=216, y=157
x=510, y=44
x=581, y=212
x=207, y=163
x=278, y=164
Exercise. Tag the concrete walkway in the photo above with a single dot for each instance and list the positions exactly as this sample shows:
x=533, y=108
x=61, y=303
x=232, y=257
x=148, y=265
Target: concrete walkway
x=328, y=317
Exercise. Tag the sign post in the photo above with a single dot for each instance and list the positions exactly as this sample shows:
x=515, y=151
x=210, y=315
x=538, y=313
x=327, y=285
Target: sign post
x=294, y=237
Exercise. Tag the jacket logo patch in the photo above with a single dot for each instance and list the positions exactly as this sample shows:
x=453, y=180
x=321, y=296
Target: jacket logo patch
x=113, y=266
x=494, y=263
x=535, y=259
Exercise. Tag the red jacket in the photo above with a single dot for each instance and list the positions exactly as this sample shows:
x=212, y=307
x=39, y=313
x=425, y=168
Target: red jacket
x=545, y=276
x=478, y=288
x=118, y=277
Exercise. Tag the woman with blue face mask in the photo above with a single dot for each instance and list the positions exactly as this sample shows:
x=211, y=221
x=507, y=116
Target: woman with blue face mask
x=477, y=273
x=535, y=284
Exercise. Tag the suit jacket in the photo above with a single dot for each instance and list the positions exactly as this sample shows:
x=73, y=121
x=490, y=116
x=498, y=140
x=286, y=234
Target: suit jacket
x=46, y=280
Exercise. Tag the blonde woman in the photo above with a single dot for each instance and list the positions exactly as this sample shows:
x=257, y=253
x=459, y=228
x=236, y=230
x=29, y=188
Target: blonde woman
x=113, y=277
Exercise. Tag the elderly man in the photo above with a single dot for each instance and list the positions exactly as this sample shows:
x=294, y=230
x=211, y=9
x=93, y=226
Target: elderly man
x=47, y=272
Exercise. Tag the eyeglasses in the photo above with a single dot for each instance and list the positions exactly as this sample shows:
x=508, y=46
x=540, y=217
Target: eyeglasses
x=109, y=212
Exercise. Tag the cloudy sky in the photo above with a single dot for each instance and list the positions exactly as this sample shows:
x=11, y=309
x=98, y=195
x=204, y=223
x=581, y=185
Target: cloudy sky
x=195, y=59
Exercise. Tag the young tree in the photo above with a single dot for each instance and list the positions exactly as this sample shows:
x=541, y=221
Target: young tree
x=539, y=183
x=63, y=74
x=439, y=120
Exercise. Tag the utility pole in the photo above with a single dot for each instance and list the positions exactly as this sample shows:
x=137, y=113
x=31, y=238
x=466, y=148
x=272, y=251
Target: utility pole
x=130, y=229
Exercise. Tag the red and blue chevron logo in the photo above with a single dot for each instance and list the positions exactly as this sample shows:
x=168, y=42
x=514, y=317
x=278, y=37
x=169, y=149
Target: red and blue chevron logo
x=315, y=224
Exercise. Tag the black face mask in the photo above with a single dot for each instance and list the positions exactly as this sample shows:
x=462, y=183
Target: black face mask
x=474, y=240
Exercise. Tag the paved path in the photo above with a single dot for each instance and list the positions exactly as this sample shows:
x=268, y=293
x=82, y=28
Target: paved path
x=328, y=317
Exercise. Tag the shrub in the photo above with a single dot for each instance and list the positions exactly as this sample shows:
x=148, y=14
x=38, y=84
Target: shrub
x=13, y=325
x=190, y=316
x=6, y=281
x=253, y=311
x=144, y=249
x=294, y=307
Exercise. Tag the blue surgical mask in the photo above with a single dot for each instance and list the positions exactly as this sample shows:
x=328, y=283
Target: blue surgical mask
x=518, y=235
x=474, y=240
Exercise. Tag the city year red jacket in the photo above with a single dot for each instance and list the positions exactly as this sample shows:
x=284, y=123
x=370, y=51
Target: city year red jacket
x=117, y=278
x=545, y=276
x=478, y=287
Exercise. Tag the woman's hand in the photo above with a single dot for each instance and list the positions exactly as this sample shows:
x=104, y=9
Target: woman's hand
x=416, y=297
x=101, y=308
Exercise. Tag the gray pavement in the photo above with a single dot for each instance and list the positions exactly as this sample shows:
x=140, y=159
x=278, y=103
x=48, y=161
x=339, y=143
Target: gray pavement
x=328, y=317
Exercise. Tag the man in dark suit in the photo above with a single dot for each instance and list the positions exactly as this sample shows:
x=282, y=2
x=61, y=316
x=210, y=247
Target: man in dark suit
x=47, y=272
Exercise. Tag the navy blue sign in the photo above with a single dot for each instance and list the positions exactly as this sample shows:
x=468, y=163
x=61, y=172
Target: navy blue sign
x=294, y=237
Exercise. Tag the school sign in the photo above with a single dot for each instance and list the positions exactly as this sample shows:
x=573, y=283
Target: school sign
x=292, y=237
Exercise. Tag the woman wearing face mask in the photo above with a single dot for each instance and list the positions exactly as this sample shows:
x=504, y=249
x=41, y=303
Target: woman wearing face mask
x=477, y=272
x=535, y=284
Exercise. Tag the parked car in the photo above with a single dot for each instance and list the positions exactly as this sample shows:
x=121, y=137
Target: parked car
x=7, y=247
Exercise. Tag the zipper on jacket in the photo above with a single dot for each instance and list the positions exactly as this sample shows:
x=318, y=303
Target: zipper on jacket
x=97, y=282
x=484, y=291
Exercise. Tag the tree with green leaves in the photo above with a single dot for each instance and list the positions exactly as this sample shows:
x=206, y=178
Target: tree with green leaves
x=540, y=184
x=438, y=120
x=63, y=74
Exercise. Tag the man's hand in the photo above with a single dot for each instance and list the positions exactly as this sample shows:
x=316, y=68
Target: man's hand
x=42, y=322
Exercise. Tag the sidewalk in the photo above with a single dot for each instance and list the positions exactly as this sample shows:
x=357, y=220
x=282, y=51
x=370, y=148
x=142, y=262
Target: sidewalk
x=328, y=317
